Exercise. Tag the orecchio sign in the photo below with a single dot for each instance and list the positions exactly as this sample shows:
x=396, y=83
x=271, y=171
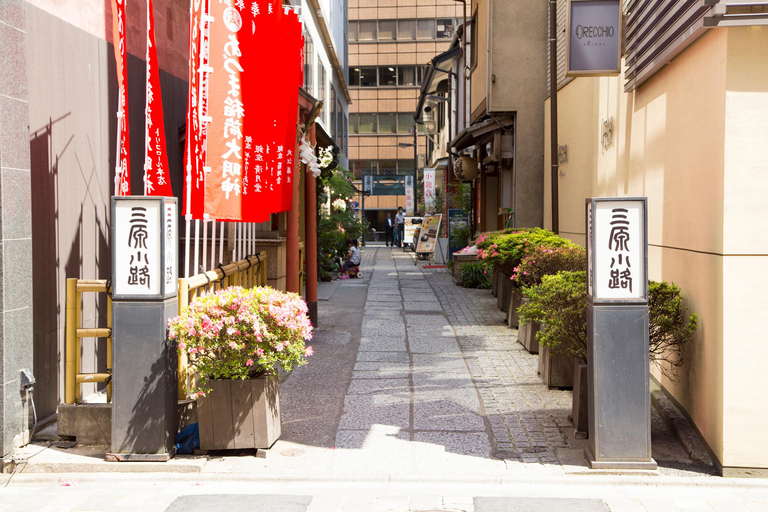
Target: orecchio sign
x=593, y=38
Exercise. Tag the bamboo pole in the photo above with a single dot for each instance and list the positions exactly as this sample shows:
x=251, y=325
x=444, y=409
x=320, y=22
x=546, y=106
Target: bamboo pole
x=70, y=384
x=183, y=363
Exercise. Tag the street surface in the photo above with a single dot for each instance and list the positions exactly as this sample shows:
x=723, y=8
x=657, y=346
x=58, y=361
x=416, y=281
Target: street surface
x=418, y=398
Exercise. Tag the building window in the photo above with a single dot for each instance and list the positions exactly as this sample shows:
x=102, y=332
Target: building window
x=367, y=124
x=445, y=28
x=368, y=77
x=426, y=29
x=354, y=77
x=352, y=32
x=405, y=122
x=473, y=41
x=361, y=167
x=406, y=29
x=387, y=30
x=321, y=83
x=387, y=167
x=387, y=76
x=309, y=64
x=367, y=31
x=406, y=75
x=387, y=123
x=405, y=167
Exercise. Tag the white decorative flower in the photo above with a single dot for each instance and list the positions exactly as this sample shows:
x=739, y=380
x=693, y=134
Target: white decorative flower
x=339, y=204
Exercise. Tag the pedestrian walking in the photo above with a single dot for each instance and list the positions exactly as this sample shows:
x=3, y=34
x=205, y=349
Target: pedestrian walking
x=400, y=226
x=389, y=229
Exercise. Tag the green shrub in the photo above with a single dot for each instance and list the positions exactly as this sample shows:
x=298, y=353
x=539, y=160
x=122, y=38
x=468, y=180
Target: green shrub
x=544, y=260
x=505, y=250
x=475, y=275
x=559, y=303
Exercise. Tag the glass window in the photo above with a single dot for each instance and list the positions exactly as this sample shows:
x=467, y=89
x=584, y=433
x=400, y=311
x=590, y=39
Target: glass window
x=387, y=123
x=309, y=64
x=419, y=74
x=387, y=76
x=321, y=83
x=352, y=35
x=405, y=122
x=353, y=123
x=426, y=29
x=406, y=29
x=445, y=28
x=360, y=167
x=405, y=167
x=368, y=77
x=366, y=123
x=406, y=75
x=334, y=113
x=387, y=30
x=387, y=166
x=366, y=31
x=354, y=77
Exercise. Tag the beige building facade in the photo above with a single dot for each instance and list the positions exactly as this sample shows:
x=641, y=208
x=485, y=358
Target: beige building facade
x=390, y=41
x=688, y=130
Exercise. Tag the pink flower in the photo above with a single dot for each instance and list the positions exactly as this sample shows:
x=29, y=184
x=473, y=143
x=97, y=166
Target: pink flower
x=259, y=352
x=207, y=324
x=231, y=331
x=193, y=350
x=249, y=362
x=309, y=351
x=232, y=345
x=279, y=347
x=182, y=346
x=171, y=335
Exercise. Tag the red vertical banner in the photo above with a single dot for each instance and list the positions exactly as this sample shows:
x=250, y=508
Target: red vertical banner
x=156, y=179
x=194, y=184
x=294, y=80
x=118, y=40
x=223, y=184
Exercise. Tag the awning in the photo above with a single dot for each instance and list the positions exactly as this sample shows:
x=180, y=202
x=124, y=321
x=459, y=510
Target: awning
x=433, y=75
x=479, y=133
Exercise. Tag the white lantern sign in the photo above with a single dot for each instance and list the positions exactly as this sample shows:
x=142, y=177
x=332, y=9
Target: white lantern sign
x=617, y=250
x=144, y=247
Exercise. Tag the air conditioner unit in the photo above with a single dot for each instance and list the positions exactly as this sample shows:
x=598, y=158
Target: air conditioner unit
x=428, y=114
x=430, y=127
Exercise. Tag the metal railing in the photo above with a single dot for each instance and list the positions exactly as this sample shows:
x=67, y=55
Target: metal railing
x=73, y=376
x=248, y=273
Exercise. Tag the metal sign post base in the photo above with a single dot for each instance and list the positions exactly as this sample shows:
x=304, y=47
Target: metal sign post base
x=144, y=405
x=619, y=398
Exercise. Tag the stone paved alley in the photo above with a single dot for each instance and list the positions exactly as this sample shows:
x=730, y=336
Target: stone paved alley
x=418, y=398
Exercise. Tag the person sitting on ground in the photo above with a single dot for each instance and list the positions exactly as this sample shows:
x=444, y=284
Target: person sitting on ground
x=352, y=259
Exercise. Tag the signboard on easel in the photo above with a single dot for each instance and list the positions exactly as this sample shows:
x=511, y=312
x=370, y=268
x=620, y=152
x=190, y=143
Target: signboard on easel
x=428, y=236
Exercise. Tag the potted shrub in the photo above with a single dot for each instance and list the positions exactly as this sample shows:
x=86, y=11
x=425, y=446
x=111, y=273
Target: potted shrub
x=560, y=304
x=539, y=261
x=237, y=340
x=475, y=275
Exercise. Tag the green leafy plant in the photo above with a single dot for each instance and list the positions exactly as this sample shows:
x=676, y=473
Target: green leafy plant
x=506, y=249
x=475, y=275
x=543, y=260
x=239, y=333
x=559, y=303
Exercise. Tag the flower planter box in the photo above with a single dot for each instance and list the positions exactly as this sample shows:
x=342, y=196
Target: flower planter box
x=580, y=411
x=240, y=414
x=556, y=371
x=459, y=260
x=527, y=334
x=504, y=292
x=495, y=283
x=515, y=300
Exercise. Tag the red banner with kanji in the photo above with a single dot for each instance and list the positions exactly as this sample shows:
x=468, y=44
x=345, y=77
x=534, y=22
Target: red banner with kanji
x=156, y=178
x=118, y=41
x=194, y=155
x=252, y=104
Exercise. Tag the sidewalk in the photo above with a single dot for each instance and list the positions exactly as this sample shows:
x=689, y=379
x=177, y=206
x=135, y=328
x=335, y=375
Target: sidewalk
x=418, y=398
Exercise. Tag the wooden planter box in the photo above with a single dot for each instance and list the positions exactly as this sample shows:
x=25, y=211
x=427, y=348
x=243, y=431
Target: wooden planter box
x=527, y=334
x=495, y=283
x=503, y=292
x=459, y=260
x=515, y=300
x=240, y=414
x=580, y=412
x=556, y=371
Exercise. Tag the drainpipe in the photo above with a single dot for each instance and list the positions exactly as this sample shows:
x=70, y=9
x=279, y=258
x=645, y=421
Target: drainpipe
x=553, y=111
x=310, y=242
